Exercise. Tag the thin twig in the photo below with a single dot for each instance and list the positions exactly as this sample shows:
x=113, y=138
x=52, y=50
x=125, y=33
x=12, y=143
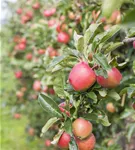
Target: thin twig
x=128, y=40
x=123, y=100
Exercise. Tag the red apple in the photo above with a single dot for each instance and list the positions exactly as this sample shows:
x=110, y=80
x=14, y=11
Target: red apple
x=51, y=23
x=49, y=12
x=86, y=144
x=58, y=28
x=110, y=107
x=64, y=140
x=31, y=131
x=47, y=143
x=62, y=18
x=82, y=76
x=29, y=14
x=36, y=5
x=17, y=116
x=41, y=51
x=51, y=91
x=18, y=74
x=134, y=44
x=113, y=79
x=81, y=128
x=23, y=41
x=22, y=46
x=29, y=56
x=37, y=85
x=45, y=89
x=19, y=11
x=63, y=37
x=71, y=15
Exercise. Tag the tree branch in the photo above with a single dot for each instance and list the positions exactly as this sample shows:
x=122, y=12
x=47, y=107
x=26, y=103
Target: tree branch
x=128, y=40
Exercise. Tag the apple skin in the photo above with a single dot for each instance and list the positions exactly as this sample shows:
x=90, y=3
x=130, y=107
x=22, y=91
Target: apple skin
x=41, y=51
x=29, y=56
x=82, y=76
x=81, y=128
x=63, y=37
x=17, y=116
x=87, y=144
x=113, y=80
x=134, y=44
x=37, y=85
x=22, y=46
x=47, y=143
x=49, y=12
x=64, y=140
x=110, y=107
x=36, y=6
x=18, y=74
x=19, y=11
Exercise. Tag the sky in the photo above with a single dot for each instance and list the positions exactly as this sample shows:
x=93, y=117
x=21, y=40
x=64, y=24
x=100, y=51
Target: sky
x=4, y=13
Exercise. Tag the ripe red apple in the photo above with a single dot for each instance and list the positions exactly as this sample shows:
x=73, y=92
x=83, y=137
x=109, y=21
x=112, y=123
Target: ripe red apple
x=51, y=22
x=31, y=131
x=18, y=74
x=37, y=85
x=51, y=91
x=81, y=128
x=47, y=143
x=87, y=144
x=64, y=27
x=49, y=12
x=24, y=19
x=22, y=46
x=82, y=76
x=134, y=44
x=29, y=14
x=58, y=28
x=113, y=79
x=63, y=37
x=41, y=51
x=17, y=116
x=19, y=94
x=36, y=5
x=64, y=140
x=23, y=41
x=62, y=18
x=110, y=107
x=19, y=11
x=29, y=56
x=133, y=105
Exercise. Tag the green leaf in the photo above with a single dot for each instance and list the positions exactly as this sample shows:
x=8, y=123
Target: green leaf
x=68, y=126
x=105, y=36
x=131, y=130
x=102, y=61
x=49, y=105
x=79, y=41
x=49, y=123
x=59, y=83
x=99, y=117
x=104, y=120
x=130, y=91
x=90, y=33
x=127, y=113
x=129, y=19
x=72, y=144
x=113, y=46
x=114, y=95
x=93, y=96
x=102, y=93
x=56, y=61
x=109, y=6
x=101, y=72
